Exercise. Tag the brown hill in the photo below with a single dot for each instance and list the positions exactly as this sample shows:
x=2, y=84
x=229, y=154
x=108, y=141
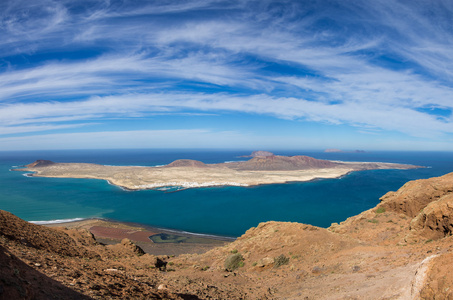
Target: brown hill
x=39, y=237
x=263, y=161
x=187, y=163
x=284, y=163
x=400, y=249
x=40, y=163
x=416, y=195
x=259, y=153
x=37, y=262
x=429, y=202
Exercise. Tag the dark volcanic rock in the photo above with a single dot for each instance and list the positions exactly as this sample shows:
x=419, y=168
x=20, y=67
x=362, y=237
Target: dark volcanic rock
x=283, y=163
x=128, y=244
x=40, y=163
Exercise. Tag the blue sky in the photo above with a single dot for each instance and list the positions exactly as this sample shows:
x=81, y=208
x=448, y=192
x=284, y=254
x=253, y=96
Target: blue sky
x=373, y=75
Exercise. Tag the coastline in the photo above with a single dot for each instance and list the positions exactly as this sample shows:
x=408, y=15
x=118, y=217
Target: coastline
x=163, y=191
x=171, y=187
x=109, y=232
x=187, y=173
x=134, y=179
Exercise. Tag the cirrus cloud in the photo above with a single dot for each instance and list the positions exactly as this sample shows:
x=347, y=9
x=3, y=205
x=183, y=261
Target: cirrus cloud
x=378, y=66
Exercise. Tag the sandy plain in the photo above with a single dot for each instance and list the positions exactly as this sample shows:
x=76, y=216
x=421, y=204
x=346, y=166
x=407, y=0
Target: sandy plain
x=138, y=178
x=110, y=232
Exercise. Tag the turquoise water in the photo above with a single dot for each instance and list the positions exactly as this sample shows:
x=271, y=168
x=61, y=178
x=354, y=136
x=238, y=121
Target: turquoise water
x=227, y=211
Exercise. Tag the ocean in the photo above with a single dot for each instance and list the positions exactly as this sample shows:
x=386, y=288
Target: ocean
x=224, y=211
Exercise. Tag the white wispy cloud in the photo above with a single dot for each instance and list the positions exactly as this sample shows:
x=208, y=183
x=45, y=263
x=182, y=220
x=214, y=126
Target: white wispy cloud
x=6, y=130
x=379, y=65
x=370, y=114
x=193, y=138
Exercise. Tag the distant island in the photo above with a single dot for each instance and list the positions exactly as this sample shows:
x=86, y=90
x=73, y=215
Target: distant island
x=263, y=168
x=342, y=151
x=259, y=153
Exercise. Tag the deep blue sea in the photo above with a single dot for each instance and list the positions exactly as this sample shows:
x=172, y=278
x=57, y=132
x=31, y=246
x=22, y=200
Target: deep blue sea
x=225, y=211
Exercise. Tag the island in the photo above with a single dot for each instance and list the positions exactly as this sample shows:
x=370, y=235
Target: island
x=334, y=150
x=263, y=168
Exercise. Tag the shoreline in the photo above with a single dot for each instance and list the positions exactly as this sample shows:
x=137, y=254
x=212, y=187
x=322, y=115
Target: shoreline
x=110, y=232
x=186, y=173
x=83, y=222
x=243, y=179
x=171, y=186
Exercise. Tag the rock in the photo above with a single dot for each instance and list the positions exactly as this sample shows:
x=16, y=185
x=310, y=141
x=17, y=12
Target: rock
x=111, y=270
x=131, y=246
x=438, y=279
x=160, y=264
x=316, y=270
x=415, y=195
x=95, y=287
x=435, y=221
x=264, y=262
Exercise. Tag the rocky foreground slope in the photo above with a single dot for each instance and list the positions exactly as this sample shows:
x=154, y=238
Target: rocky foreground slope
x=401, y=249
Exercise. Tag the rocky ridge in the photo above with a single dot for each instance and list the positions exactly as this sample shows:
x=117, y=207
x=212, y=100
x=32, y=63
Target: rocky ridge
x=401, y=249
x=282, y=163
x=260, y=161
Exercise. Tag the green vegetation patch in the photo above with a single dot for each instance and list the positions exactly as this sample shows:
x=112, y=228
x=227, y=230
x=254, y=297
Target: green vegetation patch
x=233, y=262
x=280, y=261
x=168, y=238
x=174, y=238
x=380, y=210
